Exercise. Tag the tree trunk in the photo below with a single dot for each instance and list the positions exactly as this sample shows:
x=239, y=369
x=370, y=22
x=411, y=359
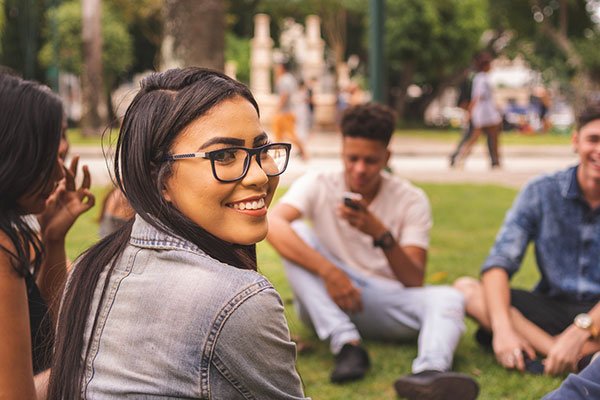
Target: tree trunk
x=398, y=94
x=452, y=80
x=194, y=34
x=94, y=112
x=334, y=28
x=582, y=82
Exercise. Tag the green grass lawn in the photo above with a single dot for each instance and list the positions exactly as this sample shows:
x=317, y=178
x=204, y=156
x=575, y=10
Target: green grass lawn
x=466, y=219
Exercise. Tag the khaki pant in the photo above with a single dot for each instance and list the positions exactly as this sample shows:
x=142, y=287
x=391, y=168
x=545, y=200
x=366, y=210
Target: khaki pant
x=284, y=125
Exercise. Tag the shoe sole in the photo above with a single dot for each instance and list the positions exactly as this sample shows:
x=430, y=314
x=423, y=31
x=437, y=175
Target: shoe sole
x=444, y=387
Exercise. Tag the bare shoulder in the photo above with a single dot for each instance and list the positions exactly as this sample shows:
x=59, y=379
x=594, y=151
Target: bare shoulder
x=5, y=258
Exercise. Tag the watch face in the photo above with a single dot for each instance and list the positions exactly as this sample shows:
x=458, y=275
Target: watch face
x=388, y=240
x=583, y=321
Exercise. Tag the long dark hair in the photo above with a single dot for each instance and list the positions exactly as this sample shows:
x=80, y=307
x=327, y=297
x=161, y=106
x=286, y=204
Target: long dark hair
x=166, y=103
x=30, y=130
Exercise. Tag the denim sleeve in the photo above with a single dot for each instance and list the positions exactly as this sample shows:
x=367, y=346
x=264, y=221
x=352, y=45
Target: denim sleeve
x=254, y=351
x=518, y=229
x=584, y=385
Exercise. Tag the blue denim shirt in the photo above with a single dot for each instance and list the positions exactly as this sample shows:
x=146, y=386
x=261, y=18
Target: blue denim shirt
x=176, y=323
x=551, y=212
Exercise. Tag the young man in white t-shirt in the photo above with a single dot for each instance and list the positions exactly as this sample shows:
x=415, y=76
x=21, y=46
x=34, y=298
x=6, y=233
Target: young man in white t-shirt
x=358, y=270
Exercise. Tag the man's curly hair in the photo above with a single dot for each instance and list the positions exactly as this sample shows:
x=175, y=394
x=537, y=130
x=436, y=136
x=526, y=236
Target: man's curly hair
x=371, y=121
x=589, y=113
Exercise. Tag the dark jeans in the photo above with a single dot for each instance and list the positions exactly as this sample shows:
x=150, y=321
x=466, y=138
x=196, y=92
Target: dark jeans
x=466, y=135
x=552, y=315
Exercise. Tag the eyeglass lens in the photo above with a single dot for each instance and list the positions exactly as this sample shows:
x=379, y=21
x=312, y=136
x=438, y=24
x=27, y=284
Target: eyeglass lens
x=231, y=164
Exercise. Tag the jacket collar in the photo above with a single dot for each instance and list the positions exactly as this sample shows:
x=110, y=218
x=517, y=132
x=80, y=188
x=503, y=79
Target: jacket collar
x=146, y=235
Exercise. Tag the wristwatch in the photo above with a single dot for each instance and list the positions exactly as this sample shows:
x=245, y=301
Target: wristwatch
x=584, y=321
x=386, y=241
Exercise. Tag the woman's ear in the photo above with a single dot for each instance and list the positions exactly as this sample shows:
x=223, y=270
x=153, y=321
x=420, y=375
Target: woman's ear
x=166, y=195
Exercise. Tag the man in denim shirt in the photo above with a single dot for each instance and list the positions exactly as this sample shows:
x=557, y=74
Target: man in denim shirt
x=560, y=318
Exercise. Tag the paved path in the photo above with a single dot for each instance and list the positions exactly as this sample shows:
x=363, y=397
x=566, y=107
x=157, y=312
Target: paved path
x=419, y=160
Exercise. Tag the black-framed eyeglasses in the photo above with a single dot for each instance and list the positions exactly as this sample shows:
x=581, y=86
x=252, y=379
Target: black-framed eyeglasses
x=231, y=164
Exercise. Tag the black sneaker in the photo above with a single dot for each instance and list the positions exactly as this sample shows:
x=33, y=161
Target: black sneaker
x=586, y=360
x=437, y=385
x=351, y=363
x=484, y=338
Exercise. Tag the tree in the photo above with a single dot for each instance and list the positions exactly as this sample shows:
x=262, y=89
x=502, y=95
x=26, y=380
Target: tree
x=556, y=37
x=117, y=46
x=95, y=108
x=20, y=36
x=194, y=34
x=430, y=43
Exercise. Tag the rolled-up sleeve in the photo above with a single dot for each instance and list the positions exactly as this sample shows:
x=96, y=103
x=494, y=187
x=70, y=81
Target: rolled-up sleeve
x=518, y=229
x=254, y=351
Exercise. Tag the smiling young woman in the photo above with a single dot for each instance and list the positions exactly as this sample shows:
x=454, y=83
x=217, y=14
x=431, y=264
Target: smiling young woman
x=171, y=305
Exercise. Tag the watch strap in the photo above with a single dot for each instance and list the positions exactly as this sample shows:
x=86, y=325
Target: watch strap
x=594, y=331
x=386, y=241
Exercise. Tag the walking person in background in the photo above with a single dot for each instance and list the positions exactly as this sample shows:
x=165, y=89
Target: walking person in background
x=283, y=123
x=484, y=115
x=171, y=305
x=303, y=111
x=33, y=266
x=463, y=102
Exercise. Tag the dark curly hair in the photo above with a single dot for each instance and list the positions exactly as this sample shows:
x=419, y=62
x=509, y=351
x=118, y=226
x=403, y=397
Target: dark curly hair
x=371, y=121
x=588, y=114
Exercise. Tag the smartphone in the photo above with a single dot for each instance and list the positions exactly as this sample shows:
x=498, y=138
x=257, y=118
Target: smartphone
x=351, y=200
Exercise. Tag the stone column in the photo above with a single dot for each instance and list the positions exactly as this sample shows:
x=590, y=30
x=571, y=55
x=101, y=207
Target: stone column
x=261, y=56
x=315, y=49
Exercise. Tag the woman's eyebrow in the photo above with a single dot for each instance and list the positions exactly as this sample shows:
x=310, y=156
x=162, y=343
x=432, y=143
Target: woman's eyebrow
x=260, y=138
x=222, y=140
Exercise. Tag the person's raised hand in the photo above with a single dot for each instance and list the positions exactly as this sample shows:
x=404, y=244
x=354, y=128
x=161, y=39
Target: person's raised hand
x=66, y=204
x=361, y=218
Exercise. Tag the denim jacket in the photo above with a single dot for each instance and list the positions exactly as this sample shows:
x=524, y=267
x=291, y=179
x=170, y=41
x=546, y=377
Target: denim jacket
x=551, y=212
x=176, y=323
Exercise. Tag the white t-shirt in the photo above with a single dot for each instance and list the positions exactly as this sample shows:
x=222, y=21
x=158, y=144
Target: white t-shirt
x=403, y=208
x=484, y=111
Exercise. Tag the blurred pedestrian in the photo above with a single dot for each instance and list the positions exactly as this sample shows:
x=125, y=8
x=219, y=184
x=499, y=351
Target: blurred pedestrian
x=302, y=105
x=463, y=102
x=484, y=115
x=284, y=120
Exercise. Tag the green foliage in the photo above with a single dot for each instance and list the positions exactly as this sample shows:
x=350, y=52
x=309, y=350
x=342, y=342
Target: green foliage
x=117, y=45
x=2, y=22
x=20, y=37
x=532, y=42
x=437, y=36
x=237, y=49
x=588, y=48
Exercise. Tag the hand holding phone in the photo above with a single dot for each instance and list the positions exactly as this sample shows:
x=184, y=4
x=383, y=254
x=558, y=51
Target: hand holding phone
x=351, y=200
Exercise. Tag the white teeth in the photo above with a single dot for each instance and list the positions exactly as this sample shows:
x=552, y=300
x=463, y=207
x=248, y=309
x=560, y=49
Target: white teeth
x=250, y=205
